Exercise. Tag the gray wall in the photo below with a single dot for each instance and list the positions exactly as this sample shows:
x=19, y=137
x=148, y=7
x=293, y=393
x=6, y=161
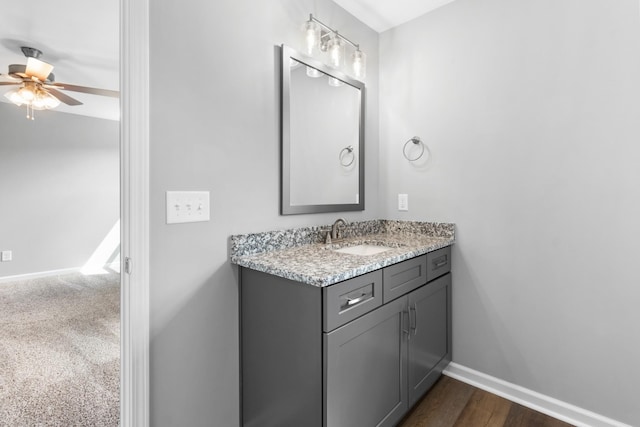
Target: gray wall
x=531, y=111
x=59, y=188
x=215, y=126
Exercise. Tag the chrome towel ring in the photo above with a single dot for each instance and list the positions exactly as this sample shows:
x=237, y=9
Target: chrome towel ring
x=344, y=155
x=417, y=141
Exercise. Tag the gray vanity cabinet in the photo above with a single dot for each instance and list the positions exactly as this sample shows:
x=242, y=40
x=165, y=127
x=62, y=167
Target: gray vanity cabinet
x=365, y=369
x=429, y=337
x=382, y=363
x=358, y=353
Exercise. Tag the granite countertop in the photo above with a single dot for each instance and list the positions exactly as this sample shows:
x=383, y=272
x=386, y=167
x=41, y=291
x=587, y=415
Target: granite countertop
x=301, y=255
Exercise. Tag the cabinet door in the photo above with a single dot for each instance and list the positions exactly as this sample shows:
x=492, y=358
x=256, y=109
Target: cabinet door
x=365, y=369
x=428, y=335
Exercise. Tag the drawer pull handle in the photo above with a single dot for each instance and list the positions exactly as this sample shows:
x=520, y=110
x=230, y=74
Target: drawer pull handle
x=353, y=301
x=440, y=262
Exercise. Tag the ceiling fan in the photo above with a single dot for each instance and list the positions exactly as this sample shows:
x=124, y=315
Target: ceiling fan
x=38, y=89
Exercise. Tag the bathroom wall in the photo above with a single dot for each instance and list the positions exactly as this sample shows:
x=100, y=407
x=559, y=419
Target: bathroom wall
x=530, y=110
x=59, y=188
x=215, y=105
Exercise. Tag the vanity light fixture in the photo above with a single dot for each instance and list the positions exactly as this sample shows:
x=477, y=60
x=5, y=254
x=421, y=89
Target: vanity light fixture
x=319, y=36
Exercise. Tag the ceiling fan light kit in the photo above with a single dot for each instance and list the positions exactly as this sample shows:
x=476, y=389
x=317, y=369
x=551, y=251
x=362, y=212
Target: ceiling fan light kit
x=34, y=97
x=38, y=90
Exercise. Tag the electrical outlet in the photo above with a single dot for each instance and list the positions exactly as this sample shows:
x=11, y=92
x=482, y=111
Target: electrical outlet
x=403, y=202
x=187, y=206
x=7, y=256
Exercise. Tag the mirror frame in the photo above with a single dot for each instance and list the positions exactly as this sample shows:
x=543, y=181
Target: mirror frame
x=285, y=194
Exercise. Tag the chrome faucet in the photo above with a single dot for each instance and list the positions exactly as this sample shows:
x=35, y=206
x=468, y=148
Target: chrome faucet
x=335, y=231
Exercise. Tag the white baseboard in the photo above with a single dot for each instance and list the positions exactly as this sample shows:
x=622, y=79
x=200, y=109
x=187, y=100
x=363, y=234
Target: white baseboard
x=29, y=276
x=547, y=405
x=39, y=274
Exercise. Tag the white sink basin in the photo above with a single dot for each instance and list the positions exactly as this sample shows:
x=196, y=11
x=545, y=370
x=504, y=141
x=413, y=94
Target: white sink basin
x=363, y=249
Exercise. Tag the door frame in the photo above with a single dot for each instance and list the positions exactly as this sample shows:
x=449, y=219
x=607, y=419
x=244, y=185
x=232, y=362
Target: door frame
x=134, y=206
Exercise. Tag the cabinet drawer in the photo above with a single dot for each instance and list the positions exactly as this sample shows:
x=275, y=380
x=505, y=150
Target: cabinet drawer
x=350, y=299
x=438, y=263
x=398, y=279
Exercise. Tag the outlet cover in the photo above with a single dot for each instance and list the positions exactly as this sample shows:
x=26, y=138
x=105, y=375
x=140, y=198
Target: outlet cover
x=7, y=256
x=403, y=202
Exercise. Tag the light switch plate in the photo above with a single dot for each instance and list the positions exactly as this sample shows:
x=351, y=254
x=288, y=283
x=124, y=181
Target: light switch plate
x=403, y=202
x=187, y=206
x=7, y=256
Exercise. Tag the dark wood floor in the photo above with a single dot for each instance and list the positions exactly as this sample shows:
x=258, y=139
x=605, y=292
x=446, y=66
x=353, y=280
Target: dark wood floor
x=451, y=403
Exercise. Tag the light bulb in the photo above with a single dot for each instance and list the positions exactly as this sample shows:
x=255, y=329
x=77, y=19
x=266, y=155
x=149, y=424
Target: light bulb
x=313, y=72
x=311, y=37
x=359, y=64
x=335, y=47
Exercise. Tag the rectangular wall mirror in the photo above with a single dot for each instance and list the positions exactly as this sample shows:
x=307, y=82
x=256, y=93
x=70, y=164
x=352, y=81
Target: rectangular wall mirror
x=322, y=137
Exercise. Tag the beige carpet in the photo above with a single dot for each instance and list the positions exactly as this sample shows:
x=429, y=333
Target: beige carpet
x=60, y=351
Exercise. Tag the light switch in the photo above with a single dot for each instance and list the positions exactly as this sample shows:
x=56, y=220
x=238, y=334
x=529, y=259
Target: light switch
x=403, y=202
x=187, y=206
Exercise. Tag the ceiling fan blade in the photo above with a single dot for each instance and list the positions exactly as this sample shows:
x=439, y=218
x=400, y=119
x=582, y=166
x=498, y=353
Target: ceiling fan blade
x=63, y=97
x=84, y=89
x=9, y=77
x=39, y=69
x=9, y=83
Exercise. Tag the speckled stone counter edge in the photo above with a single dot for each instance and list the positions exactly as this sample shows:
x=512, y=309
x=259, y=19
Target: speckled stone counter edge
x=301, y=255
x=255, y=243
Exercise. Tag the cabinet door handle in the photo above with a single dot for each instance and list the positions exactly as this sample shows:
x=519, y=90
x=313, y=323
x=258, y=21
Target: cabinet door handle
x=414, y=327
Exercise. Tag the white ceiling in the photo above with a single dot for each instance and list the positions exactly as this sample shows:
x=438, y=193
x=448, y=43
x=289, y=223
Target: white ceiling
x=382, y=15
x=80, y=38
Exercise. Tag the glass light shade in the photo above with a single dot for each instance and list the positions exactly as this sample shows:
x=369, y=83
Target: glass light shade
x=335, y=48
x=335, y=82
x=27, y=93
x=51, y=101
x=359, y=62
x=14, y=97
x=311, y=37
x=38, y=102
x=313, y=72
